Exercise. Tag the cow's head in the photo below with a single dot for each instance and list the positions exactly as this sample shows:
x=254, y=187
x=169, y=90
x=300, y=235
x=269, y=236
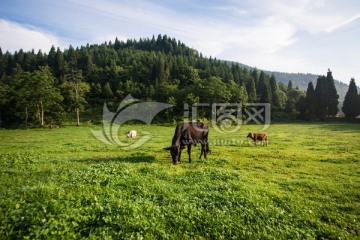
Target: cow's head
x=175, y=152
x=250, y=135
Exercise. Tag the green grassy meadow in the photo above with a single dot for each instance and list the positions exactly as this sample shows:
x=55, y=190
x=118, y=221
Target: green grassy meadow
x=65, y=184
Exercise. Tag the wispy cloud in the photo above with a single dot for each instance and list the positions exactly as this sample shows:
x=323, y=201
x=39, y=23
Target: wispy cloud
x=14, y=36
x=316, y=16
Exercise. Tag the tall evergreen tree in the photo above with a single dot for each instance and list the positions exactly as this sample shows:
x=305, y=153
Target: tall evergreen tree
x=290, y=86
x=254, y=75
x=59, y=64
x=310, y=102
x=107, y=93
x=117, y=44
x=89, y=67
x=51, y=58
x=72, y=57
x=251, y=90
x=351, y=106
x=29, y=61
x=266, y=93
x=321, y=97
x=40, y=59
x=333, y=97
x=261, y=84
x=275, y=100
x=327, y=97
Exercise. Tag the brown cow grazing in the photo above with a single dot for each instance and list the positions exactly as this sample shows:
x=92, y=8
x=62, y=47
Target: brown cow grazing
x=187, y=134
x=259, y=137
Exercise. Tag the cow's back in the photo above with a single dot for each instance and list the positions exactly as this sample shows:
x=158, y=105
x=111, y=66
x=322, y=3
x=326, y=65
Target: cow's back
x=188, y=132
x=260, y=136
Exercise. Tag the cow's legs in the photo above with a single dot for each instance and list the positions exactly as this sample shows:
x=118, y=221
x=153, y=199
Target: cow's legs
x=189, y=152
x=204, y=149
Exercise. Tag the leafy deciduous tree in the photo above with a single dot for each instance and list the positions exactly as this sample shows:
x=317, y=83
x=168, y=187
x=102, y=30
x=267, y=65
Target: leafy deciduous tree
x=76, y=89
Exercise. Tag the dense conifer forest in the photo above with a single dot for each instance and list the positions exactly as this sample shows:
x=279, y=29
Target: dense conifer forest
x=39, y=88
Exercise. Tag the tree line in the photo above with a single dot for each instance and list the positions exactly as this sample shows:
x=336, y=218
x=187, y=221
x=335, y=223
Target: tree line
x=73, y=84
x=321, y=102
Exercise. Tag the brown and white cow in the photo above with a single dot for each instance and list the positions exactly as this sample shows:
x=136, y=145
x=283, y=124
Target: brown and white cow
x=259, y=137
x=187, y=134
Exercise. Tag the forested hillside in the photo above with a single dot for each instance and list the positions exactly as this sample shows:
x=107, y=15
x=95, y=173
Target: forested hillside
x=42, y=88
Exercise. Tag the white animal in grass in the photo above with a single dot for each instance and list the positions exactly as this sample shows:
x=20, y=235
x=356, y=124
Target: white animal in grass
x=131, y=134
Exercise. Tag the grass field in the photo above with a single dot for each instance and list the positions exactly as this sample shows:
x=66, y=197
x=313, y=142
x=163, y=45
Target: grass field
x=65, y=184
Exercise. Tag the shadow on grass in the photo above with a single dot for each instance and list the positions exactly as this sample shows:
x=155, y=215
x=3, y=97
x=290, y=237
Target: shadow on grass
x=133, y=158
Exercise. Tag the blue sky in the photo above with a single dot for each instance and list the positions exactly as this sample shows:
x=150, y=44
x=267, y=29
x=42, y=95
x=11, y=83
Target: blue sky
x=307, y=36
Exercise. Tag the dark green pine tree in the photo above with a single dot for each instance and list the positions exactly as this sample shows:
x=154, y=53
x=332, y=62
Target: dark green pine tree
x=310, y=102
x=290, y=86
x=261, y=84
x=333, y=97
x=251, y=90
x=107, y=93
x=89, y=67
x=321, y=98
x=51, y=58
x=117, y=44
x=40, y=59
x=72, y=58
x=275, y=101
x=254, y=75
x=19, y=57
x=59, y=64
x=266, y=92
x=351, y=106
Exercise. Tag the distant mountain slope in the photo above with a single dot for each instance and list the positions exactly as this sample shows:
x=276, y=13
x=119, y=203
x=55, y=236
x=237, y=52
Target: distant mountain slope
x=302, y=80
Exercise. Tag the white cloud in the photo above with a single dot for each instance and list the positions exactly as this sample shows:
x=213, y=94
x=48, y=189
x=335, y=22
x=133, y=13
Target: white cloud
x=268, y=36
x=14, y=36
x=316, y=16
